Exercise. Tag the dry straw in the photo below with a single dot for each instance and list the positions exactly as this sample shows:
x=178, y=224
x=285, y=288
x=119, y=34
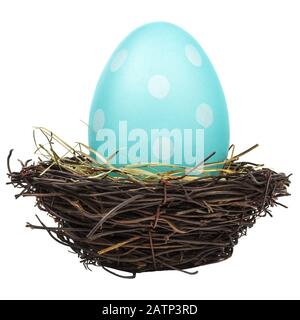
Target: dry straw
x=135, y=219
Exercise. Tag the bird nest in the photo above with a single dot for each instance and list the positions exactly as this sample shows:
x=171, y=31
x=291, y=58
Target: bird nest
x=134, y=219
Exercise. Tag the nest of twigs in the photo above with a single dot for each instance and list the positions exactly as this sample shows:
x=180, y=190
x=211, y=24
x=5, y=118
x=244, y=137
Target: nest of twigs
x=134, y=220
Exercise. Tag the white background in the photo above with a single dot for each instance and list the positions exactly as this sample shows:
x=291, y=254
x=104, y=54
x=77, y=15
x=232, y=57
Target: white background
x=51, y=55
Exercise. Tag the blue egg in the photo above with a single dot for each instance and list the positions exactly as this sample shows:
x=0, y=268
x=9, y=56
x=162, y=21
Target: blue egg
x=159, y=99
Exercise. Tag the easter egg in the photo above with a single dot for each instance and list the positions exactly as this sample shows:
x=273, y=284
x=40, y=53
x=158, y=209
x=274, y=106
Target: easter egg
x=159, y=99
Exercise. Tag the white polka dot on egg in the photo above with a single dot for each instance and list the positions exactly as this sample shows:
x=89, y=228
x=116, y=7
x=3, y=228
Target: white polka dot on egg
x=159, y=86
x=204, y=115
x=163, y=148
x=99, y=119
x=193, y=55
x=118, y=60
x=191, y=172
